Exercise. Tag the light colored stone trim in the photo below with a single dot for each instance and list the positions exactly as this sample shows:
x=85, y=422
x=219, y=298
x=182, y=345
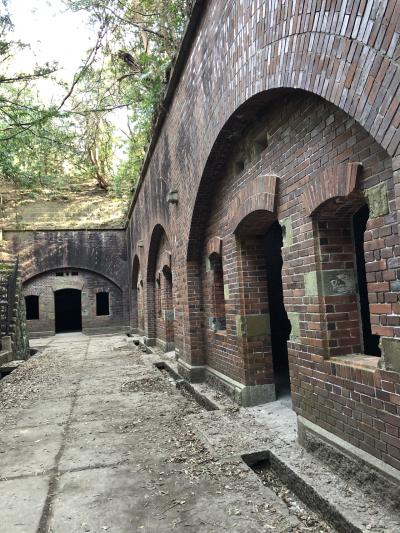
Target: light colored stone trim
x=244, y=395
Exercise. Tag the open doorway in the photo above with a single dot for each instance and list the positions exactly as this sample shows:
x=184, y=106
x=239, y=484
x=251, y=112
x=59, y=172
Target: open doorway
x=370, y=341
x=68, y=310
x=280, y=324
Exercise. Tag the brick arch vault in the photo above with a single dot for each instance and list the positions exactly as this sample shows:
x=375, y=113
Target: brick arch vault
x=324, y=81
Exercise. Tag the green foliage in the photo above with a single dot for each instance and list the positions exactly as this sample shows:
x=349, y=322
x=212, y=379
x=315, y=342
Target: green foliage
x=124, y=74
x=140, y=42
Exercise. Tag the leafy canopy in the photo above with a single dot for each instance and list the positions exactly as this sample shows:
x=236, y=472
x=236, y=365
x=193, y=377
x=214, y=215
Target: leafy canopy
x=120, y=81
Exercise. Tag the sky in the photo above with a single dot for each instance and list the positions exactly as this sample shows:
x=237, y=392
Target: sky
x=54, y=34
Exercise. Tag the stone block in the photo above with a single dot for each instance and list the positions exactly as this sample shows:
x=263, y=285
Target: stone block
x=287, y=231
x=217, y=323
x=390, y=353
x=295, y=323
x=330, y=283
x=169, y=315
x=377, y=200
x=252, y=395
x=172, y=196
x=252, y=326
x=226, y=292
x=311, y=285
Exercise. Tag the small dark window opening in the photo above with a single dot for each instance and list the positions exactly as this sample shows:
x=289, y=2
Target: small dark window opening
x=32, y=307
x=102, y=303
x=158, y=298
x=219, y=318
x=74, y=273
x=59, y=273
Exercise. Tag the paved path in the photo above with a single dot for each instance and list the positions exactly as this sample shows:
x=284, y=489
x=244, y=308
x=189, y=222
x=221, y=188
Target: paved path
x=94, y=438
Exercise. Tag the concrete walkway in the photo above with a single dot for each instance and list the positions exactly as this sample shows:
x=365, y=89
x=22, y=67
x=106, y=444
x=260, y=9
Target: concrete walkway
x=94, y=438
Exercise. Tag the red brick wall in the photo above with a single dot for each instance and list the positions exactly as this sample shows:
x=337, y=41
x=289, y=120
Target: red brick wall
x=89, y=283
x=98, y=253
x=244, y=57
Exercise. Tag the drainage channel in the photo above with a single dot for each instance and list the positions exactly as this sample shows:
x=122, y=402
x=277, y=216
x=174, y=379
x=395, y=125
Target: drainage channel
x=6, y=370
x=185, y=388
x=315, y=514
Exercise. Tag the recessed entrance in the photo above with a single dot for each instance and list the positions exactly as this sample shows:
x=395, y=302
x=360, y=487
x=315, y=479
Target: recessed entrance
x=280, y=324
x=68, y=310
x=370, y=341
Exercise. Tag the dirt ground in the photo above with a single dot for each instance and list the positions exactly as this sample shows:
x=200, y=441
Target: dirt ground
x=93, y=437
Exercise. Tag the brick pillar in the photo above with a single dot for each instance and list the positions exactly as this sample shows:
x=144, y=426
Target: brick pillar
x=192, y=358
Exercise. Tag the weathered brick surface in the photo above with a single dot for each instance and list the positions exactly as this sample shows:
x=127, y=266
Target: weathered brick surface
x=100, y=257
x=318, y=82
x=89, y=283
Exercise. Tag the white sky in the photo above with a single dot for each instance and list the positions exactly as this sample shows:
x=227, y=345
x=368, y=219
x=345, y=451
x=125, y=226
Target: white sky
x=54, y=34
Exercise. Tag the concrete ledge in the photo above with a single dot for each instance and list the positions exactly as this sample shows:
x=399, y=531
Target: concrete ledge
x=311, y=436
x=244, y=395
x=165, y=346
x=194, y=374
x=150, y=341
x=40, y=334
x=104, y=330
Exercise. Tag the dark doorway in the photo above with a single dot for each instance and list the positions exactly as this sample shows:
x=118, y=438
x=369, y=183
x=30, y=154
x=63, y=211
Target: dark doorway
x=371, y=342
x=280, y=324
x=68, y=310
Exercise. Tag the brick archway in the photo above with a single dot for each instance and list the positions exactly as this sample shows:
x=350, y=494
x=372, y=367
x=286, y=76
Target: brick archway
x=137, y=297
x=159, y=291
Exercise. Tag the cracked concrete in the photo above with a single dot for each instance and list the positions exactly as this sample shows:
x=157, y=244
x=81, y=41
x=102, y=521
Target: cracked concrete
x=103, y=442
